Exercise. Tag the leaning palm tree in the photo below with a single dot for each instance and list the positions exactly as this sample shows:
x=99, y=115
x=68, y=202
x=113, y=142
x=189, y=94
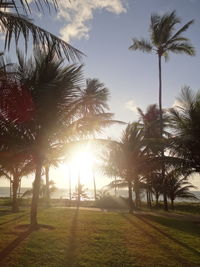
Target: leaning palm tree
x=15, y=22
x=164, y=39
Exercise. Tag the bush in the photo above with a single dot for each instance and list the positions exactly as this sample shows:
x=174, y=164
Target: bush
x=110, y=202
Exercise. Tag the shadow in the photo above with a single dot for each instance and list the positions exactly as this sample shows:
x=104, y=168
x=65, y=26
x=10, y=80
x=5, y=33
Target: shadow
x=156, y=241
x=179, y=223
x=15, y=243
x=14, y=219
x=175, y=240
x=22, y=232
x=4, y=212
x=70, y=258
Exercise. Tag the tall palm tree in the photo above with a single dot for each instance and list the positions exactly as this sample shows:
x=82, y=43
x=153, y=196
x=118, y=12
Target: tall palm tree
x=14, y=24
x=164, y=39
x=94, y=96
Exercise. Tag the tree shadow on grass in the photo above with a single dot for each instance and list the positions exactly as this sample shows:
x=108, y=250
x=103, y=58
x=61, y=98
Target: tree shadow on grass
x=22, y=232
x=14, y=219
x=180, y=224
x=15, y=243
x=70, y=258
x=175, y=240
x=4, y=212
x=156, y=241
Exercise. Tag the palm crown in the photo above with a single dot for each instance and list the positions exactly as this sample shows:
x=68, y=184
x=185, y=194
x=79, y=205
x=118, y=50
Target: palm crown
x=164, y=38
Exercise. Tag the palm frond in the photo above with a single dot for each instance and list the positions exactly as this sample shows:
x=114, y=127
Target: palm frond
x=161, y=27
x=182, y=47
x=142, y=45
x=25, y=5
x=16, y=25
x=176, y=37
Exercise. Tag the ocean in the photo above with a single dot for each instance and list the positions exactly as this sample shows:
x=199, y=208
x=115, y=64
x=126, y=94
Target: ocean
x=62, y=193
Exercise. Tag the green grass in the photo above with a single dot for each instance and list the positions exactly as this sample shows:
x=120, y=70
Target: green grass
x=92, y=238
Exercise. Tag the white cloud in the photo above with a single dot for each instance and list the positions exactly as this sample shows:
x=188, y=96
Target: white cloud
x=131, y=106
x=79, y=13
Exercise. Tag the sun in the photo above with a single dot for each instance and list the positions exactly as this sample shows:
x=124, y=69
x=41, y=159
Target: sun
x=82, y=163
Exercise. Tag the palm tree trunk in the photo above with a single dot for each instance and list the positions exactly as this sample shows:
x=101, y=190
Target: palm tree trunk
x=172, y=203
x=130, y=197
x=47, y=195
x=79, y=188
x=161, y=134
x=137, y=194
x=115, y=187
x=148, y=197
x=19, y=189
x=15, y=204
x=157, y=197
x=36, y=192
x=137, y=199
x=10, y=189
x=70, y=186
x=94, y=181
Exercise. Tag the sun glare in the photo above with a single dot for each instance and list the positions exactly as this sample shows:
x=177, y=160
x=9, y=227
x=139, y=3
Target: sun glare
x=82, y=163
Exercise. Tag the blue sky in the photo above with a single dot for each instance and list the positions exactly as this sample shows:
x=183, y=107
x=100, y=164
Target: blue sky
x=103, y=30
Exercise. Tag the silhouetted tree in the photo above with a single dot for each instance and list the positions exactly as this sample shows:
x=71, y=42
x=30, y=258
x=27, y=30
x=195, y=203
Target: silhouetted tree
x=163, y=40
x=15, y=22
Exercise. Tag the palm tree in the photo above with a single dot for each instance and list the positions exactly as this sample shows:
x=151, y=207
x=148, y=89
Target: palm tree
x=163, y=40
x=126, y=160
x=156, y=185
x=185, y=123
x=70, y=184
x=80, y=192
x=178, y=186
x=14, y=168
x=14, y=24
x=52, y=159
x=52, y=188
x=55, y=119
x=94, y=96
x=102, y=193
x=150, y=122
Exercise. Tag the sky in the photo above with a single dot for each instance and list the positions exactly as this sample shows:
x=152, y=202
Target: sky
x=103, y=30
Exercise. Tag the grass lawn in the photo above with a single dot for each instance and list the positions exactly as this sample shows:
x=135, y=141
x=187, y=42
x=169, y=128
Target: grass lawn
x=94, y=238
